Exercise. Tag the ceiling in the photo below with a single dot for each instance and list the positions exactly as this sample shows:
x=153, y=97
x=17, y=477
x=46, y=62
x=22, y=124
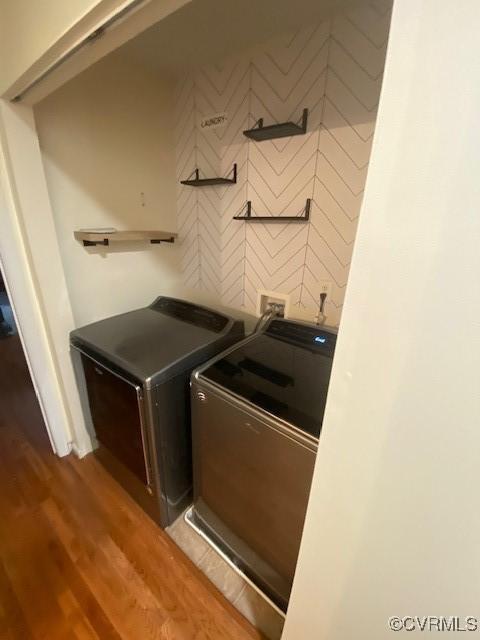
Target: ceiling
x=204, y=31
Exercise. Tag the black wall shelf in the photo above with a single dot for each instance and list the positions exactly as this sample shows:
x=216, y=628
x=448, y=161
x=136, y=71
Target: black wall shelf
x=247, y=217
x=282, y=130
x=208, y=182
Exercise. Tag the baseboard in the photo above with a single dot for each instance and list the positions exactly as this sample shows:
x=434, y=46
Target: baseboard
x=79, y=452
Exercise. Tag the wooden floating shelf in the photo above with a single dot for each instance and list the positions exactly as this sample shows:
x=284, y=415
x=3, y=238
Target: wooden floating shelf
x=282, y=130
x=208, y=182
x=247, y=217
x=94, y=238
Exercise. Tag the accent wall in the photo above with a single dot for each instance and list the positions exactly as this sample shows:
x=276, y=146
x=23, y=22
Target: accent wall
x=333, y=68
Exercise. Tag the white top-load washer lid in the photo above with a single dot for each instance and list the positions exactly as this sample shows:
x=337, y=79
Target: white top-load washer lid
x=158, y=342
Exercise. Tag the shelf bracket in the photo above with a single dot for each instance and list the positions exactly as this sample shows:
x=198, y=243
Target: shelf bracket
x=95, y=239
x=156, y=241
x=94, y=243
x=247, y=216
x=194, y=179
x=260, y=132
x=304, y=120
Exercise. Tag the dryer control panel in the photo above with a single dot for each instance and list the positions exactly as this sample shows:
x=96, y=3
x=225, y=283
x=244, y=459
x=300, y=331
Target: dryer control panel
x=192, y=313
x=306, y=335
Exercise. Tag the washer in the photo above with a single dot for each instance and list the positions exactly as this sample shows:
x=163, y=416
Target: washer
x=133, y=373
x=257, y=413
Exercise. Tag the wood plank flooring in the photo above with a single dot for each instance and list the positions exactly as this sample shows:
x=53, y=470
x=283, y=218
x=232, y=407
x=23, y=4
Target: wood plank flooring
x=78, y=559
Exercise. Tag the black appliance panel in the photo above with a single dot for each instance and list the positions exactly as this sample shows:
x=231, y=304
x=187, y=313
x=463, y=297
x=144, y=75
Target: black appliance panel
x=191, y=313
x=115, y=409
x=285, y=371
x=319, y=339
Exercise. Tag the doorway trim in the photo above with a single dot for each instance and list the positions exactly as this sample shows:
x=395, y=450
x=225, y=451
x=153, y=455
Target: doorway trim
x=21, y=289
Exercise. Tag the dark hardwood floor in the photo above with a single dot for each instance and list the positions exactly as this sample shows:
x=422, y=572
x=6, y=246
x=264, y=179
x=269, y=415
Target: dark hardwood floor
x=78, y=558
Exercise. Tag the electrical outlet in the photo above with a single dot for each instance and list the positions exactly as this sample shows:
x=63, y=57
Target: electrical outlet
x=265, y=298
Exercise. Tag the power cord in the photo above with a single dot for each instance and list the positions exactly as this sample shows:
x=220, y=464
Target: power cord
x=274, y=310
x=321, y=314
x=266, y=315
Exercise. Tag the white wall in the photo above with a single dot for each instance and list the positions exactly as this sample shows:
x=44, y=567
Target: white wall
x=393, y=525
x=107, y=138
x=27, y=31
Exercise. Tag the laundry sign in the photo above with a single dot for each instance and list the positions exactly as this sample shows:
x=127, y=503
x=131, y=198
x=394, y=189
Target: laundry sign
x=214, y=121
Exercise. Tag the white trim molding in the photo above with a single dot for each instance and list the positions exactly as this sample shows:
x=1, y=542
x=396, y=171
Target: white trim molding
x=100, y=20
x=34, y=271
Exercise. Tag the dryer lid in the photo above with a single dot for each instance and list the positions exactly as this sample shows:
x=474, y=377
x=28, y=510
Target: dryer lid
x=156, y=342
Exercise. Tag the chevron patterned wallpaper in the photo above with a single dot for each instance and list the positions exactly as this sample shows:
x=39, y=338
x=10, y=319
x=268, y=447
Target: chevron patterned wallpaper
x=335, y=70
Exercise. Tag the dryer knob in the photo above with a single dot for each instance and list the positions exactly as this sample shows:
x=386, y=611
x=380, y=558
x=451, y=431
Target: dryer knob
x=201, y=396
